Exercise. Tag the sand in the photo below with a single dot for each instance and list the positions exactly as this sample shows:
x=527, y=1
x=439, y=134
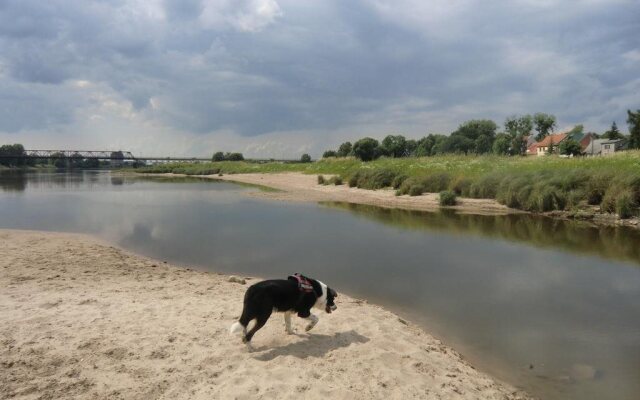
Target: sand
x=82, y=319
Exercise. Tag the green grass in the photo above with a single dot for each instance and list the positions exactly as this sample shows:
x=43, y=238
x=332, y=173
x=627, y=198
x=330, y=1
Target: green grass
x=529, y=183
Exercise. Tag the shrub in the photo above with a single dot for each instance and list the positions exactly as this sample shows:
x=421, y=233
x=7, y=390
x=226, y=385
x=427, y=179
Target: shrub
x=620, y=199
x=545, y=198
x=372, y=179
x=398, y=180
x=608, y=203
x=436, y=182
x=575, y=198
x=219, y=156
x=461, y=186
x=353, y=180
x=335, y=180
x=595, y=188
x=486, y=187
x=514, y=192
x=305, y=158
x=321, y=180
x=416, y=190
x=625, y=204
x=447, y=198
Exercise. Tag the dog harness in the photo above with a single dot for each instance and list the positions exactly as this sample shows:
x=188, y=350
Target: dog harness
x=304, y=284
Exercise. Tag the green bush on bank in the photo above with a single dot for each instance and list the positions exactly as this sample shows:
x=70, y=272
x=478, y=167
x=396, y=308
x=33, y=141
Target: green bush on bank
x=447, y=198
x=372, y=179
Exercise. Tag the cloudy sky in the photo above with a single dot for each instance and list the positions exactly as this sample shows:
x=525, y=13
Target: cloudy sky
x=276, y=78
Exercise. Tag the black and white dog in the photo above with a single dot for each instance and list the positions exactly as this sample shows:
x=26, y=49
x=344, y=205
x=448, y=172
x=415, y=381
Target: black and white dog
x=296, y=294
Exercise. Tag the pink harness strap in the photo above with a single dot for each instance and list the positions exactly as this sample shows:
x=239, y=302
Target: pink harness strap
x=303, y=283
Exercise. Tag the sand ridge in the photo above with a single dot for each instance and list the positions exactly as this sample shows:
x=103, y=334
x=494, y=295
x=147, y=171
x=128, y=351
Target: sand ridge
x=80, y=318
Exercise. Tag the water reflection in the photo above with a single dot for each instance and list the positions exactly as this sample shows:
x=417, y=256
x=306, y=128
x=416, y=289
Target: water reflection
x=12, y=182
x=619, y=243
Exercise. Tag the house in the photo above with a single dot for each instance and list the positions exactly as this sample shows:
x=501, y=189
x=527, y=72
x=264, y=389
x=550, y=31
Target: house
x=544, y=146
x=586, y=140
x=604, y=147
x=531, y=145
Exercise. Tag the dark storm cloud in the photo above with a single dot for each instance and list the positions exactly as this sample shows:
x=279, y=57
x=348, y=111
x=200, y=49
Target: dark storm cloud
x=258, y=66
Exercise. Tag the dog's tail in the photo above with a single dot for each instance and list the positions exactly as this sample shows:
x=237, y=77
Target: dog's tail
x=236, y=328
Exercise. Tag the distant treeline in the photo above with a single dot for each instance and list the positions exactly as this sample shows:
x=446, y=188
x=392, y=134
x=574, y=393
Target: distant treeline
x=479, y=137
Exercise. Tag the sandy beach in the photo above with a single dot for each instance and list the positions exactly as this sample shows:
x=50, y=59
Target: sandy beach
x=83, y=319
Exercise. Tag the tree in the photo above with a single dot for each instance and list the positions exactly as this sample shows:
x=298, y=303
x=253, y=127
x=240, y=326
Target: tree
x=518, y=128
x=440, y=144
x=458, y=144
x=394, y=146
x=544, y=124
x=93, y=163
x=59, y=160
x=345, y=149
x=570, y=147
x=366, y=149
x=613, y=133
x=423, y=149
x=12, y=155
x=410, y=148
x=75, y=161
x=475, y=128
x=233, y=157
x=218, y=156
x=578, y=129
x=305, y=158
x=634, y=129
x=502, y=144
x=483, y=144
x=329, y=153
x=515, y=125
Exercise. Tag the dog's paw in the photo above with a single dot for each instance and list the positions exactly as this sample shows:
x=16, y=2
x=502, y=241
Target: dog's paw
x=310, y=326
x=290, y=331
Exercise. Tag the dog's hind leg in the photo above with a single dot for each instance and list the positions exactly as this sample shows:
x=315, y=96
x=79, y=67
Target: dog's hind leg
x=260, y=321
x=287, y=323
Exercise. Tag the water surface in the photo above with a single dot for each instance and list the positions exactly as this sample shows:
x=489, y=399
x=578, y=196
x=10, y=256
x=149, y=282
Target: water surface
x=550, y=306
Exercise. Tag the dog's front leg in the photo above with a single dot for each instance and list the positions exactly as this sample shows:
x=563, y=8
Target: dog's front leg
x=287, y=323
x=313, y=320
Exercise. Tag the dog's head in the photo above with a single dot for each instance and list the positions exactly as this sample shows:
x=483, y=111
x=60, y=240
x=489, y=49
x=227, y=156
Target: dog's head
x=326, y=297
x=330, y=304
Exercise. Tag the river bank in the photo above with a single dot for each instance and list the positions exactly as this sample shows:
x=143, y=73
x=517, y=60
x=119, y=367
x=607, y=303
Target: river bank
x=84, y=319
x=294, y=186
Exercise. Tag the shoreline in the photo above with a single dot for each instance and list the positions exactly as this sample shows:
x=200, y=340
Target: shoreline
x=84, y=318
x=295, y=186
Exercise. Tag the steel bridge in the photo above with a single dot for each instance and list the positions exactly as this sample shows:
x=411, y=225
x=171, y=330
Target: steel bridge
x=95, y=155
x=115, y=156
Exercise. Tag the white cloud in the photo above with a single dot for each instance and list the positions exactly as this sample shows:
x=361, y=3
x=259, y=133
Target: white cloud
x=243, y=15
